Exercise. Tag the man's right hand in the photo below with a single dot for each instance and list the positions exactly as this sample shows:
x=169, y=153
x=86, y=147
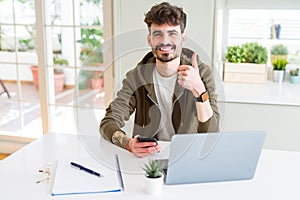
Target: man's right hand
x=142, y=149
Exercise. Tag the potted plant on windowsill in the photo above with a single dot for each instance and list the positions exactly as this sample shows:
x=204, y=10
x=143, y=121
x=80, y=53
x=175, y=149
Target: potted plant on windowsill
x=246, y=64
x=97, y=80
x=294, y=76
x=279, y=65
x=59, y=76
x=153, y=177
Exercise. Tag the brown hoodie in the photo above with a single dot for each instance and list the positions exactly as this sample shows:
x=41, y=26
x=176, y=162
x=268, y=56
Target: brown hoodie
x=138, y=95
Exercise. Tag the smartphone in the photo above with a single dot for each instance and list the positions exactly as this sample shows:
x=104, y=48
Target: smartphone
x=147, y=139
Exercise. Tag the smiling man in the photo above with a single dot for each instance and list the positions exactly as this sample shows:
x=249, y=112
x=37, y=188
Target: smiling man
x=170, y=90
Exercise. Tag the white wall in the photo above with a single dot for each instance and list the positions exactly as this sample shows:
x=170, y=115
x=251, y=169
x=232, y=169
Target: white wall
x=131, y=32
x=280, y=122
x=264, y=4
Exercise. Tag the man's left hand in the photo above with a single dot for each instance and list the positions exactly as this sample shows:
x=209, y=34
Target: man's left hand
x=189, y=78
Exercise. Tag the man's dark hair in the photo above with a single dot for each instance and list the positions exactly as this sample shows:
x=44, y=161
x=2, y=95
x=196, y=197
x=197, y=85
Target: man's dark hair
x=165, y=13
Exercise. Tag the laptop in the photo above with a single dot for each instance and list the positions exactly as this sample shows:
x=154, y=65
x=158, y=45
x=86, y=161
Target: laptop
x=212, y=157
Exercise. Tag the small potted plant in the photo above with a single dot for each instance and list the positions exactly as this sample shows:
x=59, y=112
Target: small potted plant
x=279, y=51
x=154, y=177
x=97, y=80
x=59, y=77
x=279, y=66
x=246, y=64
x=294, y=76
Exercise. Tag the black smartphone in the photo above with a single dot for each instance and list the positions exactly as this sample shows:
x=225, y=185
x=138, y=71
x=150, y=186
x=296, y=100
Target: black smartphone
x=147, y=139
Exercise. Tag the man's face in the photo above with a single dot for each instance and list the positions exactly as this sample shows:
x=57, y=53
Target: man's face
x=166, y=41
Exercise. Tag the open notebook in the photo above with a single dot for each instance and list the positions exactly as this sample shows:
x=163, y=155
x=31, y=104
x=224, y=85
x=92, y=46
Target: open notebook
x=71, y=181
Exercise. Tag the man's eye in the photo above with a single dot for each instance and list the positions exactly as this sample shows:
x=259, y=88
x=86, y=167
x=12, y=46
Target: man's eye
x=156, y=34
x=173, y=34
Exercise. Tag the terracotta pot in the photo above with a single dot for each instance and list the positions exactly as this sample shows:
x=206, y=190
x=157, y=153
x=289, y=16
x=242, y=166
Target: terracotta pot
x=35, y=75
x=97, y=83
x=59, y=81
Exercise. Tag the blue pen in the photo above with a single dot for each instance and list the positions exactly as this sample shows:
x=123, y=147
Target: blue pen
x=80, y=167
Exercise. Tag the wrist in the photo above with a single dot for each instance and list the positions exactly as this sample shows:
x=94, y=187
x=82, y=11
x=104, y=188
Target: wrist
x=128, y=145
x=198, y=89
x=120, y=139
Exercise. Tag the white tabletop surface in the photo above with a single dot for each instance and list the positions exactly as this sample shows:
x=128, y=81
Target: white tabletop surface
x=277, y=175
x=268, y=93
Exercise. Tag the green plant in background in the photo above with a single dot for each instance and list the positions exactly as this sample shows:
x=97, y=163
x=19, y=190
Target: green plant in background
x=59, y=61
x=26, y=44
x=235, y=54
x=91, y=51
x=255, y=53
x=153, y=168
x=279, y=49
x=294, y=58
x=294, y=72
x=279, y=64
x=247, y=53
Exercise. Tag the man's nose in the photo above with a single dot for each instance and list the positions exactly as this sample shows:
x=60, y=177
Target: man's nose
x=165, y=39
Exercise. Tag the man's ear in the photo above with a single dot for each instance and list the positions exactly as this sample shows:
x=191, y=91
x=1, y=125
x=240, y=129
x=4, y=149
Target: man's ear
x=149, y=39
x=183, y=36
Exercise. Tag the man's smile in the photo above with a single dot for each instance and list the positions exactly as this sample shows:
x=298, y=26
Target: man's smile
x=166, y=48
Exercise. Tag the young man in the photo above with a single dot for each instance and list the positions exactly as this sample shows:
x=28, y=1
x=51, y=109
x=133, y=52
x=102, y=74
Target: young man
x=170, y=90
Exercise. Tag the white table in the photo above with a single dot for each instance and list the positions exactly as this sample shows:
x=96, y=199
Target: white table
x=277, y=175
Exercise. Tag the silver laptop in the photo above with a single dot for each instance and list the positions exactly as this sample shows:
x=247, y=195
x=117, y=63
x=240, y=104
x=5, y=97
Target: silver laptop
x=226, y=156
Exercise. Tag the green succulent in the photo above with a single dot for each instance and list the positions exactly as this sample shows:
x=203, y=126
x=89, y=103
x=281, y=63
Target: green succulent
x=153, y=168
x=294, y=72
x=279, y=64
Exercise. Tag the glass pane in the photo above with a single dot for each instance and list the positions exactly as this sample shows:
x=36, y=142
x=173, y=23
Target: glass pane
x=60, y=46
x=26, y=36
x=32, y=122
x=90, y=42
x=91, y=89
x=28, y=57
x=91, y=12
x=10, y=117
x=7, y=57
x=8, y=76
x=87, y=12
x=6, y=14
x=29, y=88
x=62, y=120
x=60, y=12
x=25, y=12
x=7, y=39
x=61, y=84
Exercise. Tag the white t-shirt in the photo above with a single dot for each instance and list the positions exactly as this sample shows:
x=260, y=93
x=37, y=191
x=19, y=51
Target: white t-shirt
x=164, y=89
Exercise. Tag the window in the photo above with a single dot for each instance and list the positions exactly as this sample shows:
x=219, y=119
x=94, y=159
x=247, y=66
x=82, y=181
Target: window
x=267, y=27
x=239, y=22
x=72, y=52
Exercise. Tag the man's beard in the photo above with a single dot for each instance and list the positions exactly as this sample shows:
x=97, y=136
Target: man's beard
x=166, y=57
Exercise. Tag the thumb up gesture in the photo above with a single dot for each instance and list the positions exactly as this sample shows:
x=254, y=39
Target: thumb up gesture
x=189, y=78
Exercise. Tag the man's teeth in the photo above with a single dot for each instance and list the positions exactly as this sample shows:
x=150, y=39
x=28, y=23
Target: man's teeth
x=165, y=48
